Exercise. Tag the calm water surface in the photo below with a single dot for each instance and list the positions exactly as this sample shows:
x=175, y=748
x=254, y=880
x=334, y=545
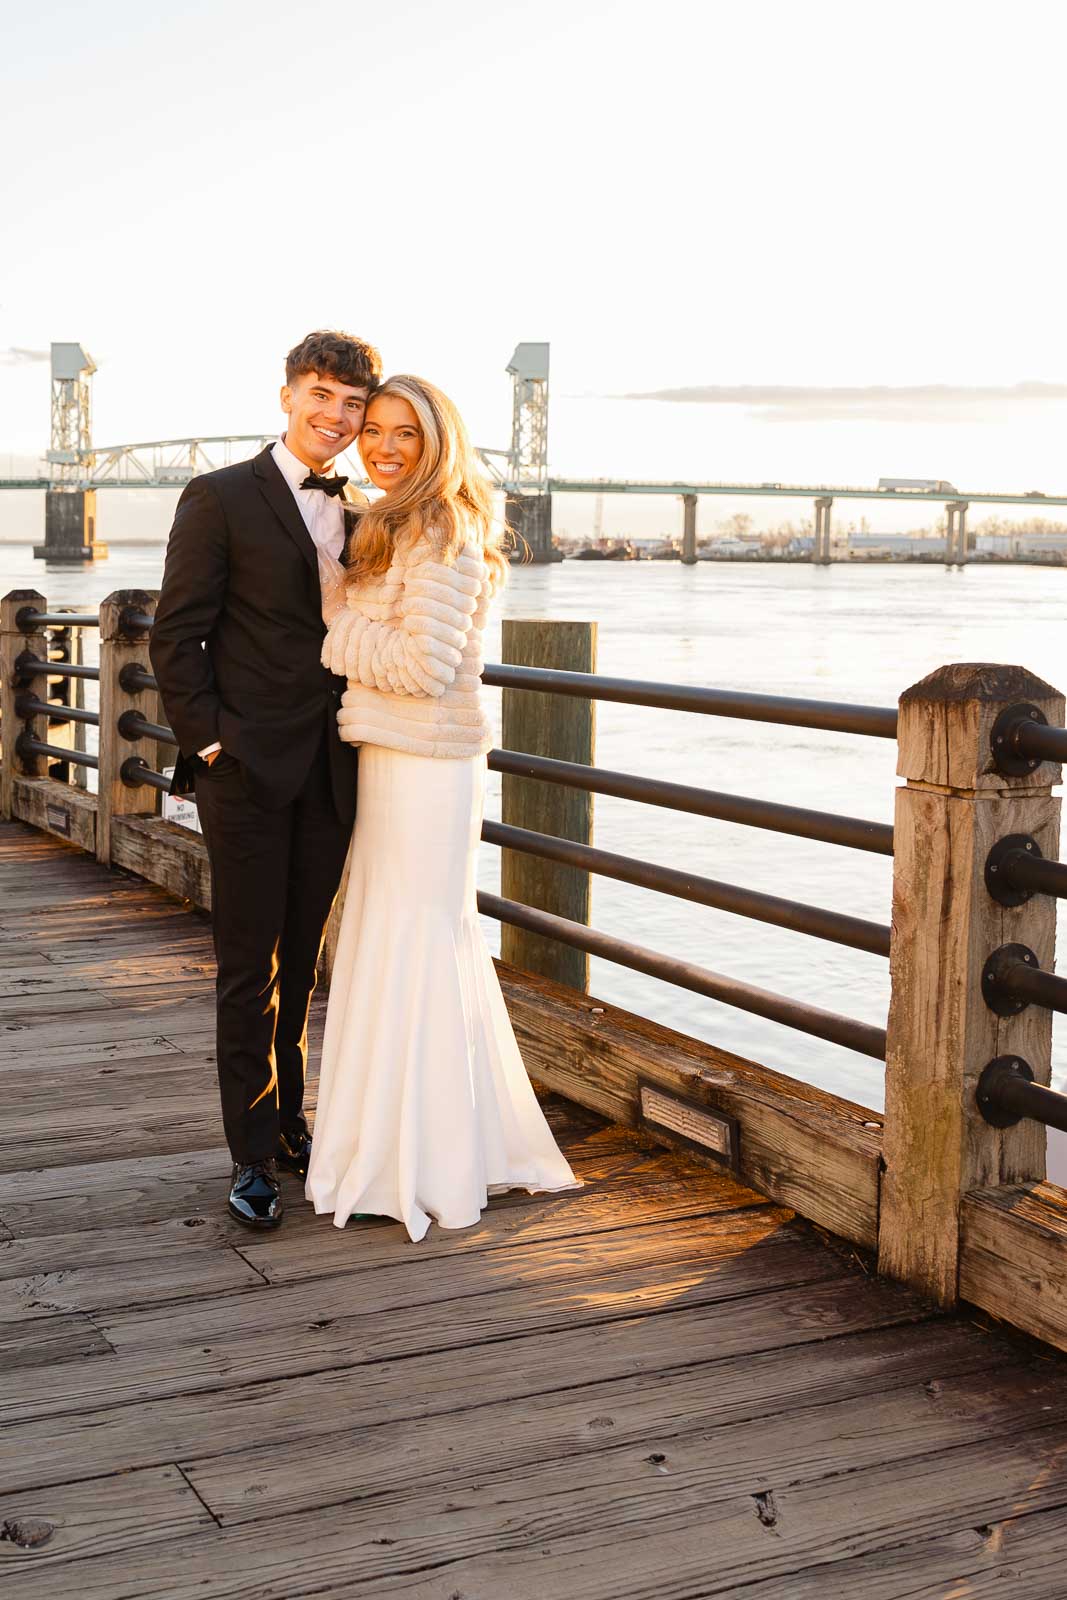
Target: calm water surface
x=852, y=633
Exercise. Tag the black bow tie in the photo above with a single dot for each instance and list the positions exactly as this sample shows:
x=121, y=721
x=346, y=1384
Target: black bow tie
x=333, y=485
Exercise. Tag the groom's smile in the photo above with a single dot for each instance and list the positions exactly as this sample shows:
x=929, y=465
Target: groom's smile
x=324, y=417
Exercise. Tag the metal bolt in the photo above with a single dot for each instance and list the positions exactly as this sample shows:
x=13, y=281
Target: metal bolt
x=1029, y=846
x=1033, y=716
x=1000, y=738
x=993, y=866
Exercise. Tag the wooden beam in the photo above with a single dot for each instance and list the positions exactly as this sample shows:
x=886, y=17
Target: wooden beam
x=164, y=853
x=802, y=1147
x=1013, y=1257
x=13, y=643
x=564, y=728
x=941, y=1034
x=56, y=808
x=119, y=648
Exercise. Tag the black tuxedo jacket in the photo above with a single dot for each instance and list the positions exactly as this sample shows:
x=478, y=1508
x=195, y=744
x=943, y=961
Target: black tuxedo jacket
x=238, y=633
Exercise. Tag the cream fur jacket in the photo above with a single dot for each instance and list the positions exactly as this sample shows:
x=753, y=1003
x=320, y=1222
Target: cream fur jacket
x=410, y=645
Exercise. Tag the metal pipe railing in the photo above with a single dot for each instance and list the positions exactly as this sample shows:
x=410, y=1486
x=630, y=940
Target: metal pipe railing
x=1037, y=739
x=1020, y=980
x=133, y=724
x=854, y=932
x=852, y=832
x=1006, y=1094
x=25, y=746
x=133, y=679
x=28, y=666
x=133, y=621
x=879, y=722
x=1022, y=870
x=853, y=1035
x=31, y=706
x=28, y=620
x=134, y=772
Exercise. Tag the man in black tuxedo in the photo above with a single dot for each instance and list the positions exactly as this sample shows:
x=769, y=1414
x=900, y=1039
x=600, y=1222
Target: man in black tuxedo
x=235, y=649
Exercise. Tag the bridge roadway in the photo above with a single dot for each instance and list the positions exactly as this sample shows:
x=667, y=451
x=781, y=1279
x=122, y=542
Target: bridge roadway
x=651, y=486
x=659, y=1388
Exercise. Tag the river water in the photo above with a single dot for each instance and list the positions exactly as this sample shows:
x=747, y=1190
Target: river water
x=849, y=632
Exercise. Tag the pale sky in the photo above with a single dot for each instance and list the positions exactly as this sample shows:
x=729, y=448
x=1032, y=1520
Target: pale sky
x=676, y=195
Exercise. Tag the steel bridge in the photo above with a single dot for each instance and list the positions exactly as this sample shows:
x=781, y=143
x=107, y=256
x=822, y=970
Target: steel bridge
x=76, y=468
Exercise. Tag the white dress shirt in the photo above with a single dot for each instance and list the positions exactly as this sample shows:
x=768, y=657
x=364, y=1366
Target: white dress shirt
x=323, y=514
x=324, y=519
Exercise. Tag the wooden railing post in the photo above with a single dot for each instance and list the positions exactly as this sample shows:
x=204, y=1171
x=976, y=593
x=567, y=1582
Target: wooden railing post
x=14, y=643
x=954, y=808
x=564, y=728
x=119, y=646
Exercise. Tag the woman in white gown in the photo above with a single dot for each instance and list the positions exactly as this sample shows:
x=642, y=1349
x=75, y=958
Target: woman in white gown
x=424, y=1104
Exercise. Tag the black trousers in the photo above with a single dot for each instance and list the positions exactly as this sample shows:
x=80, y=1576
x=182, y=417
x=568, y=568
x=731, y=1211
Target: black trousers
x=274, y=875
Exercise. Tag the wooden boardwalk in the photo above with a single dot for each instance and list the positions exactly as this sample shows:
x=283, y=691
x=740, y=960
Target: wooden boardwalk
x=660, y=1388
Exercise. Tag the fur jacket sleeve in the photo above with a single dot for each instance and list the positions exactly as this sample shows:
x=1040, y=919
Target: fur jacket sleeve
x=405, y=634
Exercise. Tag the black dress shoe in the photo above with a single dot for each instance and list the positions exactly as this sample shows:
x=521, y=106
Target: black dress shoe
x=255, y=1198
x=294, y=1151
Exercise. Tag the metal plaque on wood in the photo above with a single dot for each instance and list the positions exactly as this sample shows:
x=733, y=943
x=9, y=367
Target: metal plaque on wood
x=57, y=820
x=713, y=1133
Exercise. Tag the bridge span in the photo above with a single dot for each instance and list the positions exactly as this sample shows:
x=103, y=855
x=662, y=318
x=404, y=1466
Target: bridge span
x=77, y=468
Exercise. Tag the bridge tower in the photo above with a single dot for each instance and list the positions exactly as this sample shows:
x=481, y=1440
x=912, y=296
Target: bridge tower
x=70, y=508
x=529, y=503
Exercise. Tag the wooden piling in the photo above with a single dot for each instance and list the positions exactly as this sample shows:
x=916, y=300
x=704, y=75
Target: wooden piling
x=564, y=728
x=946, y=924
x=118, y=648
x=14, y=643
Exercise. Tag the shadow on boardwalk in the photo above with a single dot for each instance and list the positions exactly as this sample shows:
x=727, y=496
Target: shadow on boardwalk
x=661, y=1387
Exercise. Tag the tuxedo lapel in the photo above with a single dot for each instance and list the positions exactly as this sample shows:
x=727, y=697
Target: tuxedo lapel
x=279, y=497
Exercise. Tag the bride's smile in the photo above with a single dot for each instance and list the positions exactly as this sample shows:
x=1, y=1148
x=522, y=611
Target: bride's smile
x=391, y=441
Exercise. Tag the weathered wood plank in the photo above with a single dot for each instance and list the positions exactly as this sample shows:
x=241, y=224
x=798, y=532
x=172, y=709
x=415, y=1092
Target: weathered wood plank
x=56, y=808
x=128, y=1131
x=528, y=1365
x=143, y=1281
x=167, y=1073
x=107, y=1519
x=165, y=1241
x=117, y=1192
x=169, y=856
x=14, y=1008
x=113, y=1192
x=372, y=1423
x=618, y=1525
x=72, y=1057
x=49, y=1342
x=739, y=1252
x=803, y=1148
x=634, y=1540
x=1022, y=1556
x=137, y=1017
x=840, y=1417
x=1013, y=1257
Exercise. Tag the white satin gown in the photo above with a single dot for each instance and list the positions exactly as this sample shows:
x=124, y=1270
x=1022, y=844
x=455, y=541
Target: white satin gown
x=425, y=1107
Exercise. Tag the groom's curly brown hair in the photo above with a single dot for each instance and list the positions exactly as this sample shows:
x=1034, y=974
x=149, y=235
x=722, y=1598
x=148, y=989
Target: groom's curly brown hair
x=335, y=355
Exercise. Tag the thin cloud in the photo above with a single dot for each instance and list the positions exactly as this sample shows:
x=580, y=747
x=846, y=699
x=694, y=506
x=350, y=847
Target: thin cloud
x=16, y=356
x=935, y=401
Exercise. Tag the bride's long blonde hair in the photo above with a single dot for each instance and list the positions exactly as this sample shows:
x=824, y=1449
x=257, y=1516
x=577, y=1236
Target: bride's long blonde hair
x=446, y=499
